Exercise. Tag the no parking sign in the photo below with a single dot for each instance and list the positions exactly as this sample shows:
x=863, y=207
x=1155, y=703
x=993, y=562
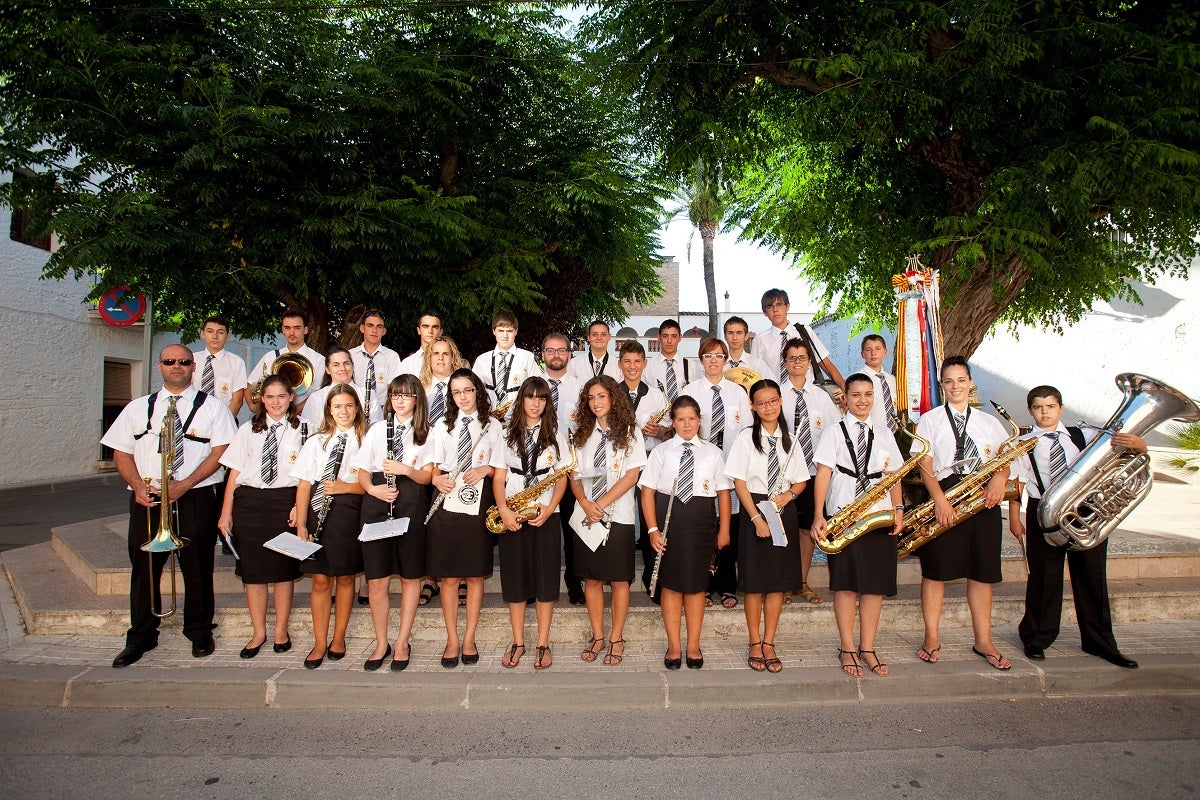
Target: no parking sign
x=122, y=306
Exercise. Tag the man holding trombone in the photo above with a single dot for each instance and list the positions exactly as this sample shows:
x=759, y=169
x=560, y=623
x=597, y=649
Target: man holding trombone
x=196, y=429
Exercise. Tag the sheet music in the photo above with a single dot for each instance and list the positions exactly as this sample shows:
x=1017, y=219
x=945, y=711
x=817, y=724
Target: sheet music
x=383, y=530
x=771, y=515
x=229, y=542
x=592, y=535
x=289, y=544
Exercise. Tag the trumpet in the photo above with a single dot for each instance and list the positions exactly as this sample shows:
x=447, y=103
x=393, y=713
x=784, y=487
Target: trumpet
x=166, y=540
x=523, y=501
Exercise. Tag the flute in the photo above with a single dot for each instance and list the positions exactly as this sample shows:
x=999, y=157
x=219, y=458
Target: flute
x=666, y=524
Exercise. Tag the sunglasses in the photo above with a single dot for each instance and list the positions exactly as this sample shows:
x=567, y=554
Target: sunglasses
x=170, y=362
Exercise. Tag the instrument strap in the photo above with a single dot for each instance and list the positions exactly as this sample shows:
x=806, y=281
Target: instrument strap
x=196, y=403
x=959, y=441
x=858, y=471
x=639, y=394
x=592, y=362
x=1077, y=439
x=819, y=376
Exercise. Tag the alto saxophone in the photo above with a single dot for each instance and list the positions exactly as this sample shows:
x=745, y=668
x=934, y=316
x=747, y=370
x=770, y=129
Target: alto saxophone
x=523, y=501
x=921, y=526
x=853, y=521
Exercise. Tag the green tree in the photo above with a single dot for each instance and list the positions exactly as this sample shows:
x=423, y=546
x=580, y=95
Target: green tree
x=1041, y=155
x=705, y=197
x=227, y=157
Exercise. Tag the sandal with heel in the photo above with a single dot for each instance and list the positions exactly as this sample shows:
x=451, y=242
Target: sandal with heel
x=590, y=653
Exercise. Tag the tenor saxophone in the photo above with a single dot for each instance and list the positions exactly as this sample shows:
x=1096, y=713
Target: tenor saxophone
x=921, y=526
x=853, y=521
x=523, y=501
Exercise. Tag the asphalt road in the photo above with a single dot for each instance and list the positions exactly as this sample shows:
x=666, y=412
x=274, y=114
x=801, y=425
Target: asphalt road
x=1046, y=749
x=28, y=520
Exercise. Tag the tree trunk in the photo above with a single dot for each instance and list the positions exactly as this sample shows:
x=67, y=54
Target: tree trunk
x=708, y=232
x=972, y=305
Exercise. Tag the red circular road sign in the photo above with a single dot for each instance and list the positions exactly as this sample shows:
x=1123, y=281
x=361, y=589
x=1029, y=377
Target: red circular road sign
x=121, y=306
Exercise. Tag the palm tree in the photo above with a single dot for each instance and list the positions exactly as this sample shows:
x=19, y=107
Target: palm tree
x=706, y=196
x=1186, y=437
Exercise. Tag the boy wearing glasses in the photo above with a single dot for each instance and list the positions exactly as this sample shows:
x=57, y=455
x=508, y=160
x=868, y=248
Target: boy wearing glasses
x=769, y=344
x=219, y=372
x=203, y=429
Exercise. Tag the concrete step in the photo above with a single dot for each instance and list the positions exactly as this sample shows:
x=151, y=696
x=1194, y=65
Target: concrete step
x=95, y=551
x=52, y=602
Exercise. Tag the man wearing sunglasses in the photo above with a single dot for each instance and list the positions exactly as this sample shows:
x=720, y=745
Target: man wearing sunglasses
x=203, y=429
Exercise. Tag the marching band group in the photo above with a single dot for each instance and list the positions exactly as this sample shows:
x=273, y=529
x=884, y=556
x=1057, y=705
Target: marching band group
x=731, y=483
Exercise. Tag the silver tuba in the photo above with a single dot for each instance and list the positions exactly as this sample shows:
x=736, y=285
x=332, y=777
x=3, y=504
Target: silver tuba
x=1105, y=483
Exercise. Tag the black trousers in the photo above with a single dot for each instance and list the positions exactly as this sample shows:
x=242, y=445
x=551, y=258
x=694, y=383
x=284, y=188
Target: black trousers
x=1044, y=590
x=725, y=580
x=196, y=520
x=565, y=509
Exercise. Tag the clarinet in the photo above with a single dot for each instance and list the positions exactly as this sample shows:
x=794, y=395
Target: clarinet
x=391, y=454
x=666, y=524
x=327, y=500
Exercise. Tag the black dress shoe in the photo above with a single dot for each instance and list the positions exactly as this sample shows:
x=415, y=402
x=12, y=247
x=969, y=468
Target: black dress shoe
x=204, y=646
x=251, y=652
x=283, y=648
x=131, y=655
x=672, y=663
x=336, y=655
x=313, y=663
x=575, y=595
x=450, y=663
x=400, y=666
x=1113, y=657
x=373, y=664
x=470, y=658
x=364, y=601
x=695, y=663
x=1034, y=652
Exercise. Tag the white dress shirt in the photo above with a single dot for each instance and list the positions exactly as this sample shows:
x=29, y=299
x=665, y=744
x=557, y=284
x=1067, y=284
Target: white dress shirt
x=314, y=455
x=768, y=345
x=879, y=409
x=831, y=451
x=1041, y=452
x=314, y=409
x=507, y=458
x=488, y=368
x=263, y=368
x=822, y=412
x=387, y=366
x=229, y=373
x=568, y=401
x=374, y=448
x=245, y=452
x=737, y=408
x=582, y=366
x=651, y=403
x=655, y=373
x=617, y=464
x=708, y=475
x=985, y=430
x=747, y=464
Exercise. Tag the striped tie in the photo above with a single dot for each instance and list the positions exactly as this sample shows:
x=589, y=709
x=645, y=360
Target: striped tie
x=967, y=451
x=270, y=454
x=398, y=443
x=772, y=466
x=860, y=463
x=464, y=441
x=370, y=383
x=687, y=470
x=331, y=470
x=716, y=430
x=208, y=381
x=531, y=457
x=438, y=407
x=177, y=432
x=600, y=480
x=889, y=405
x=783, y=340
x=802, y=428
x=672, y=382
x=554, y=382
x=596, y=367
x=1058, y=458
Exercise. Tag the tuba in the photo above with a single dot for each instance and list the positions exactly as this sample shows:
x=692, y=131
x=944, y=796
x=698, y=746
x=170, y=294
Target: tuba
x=853, y=521
x=522, y=501
x=1105, y=483
x=165, y=541
x=743, y=376
x=922, y=526
x=292, y=367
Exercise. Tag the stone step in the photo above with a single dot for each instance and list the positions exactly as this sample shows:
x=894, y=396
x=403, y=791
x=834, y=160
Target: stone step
x=95, y=551
x=53, y=602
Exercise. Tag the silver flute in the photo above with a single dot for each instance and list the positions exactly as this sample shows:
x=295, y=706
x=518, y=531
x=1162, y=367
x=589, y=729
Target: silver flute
x=666, y=524
x=441, y=496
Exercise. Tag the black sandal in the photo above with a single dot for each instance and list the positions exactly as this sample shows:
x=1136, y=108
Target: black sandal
x=428, y=592
x=756, y=663
x=773, y=664
x=511, y=659
x=853, y=662
x=612, y=659
x=878, y=664
x=545, y=659
x=589, y=653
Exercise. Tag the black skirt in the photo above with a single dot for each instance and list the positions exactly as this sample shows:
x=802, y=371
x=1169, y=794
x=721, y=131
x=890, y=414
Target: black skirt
x=260, y=515
x=761, y=566
x=531, y=562
x=341, y=552
x=866, y=566
x=691, y=542
x=402, y=555
x=460, y=545
x=971, y=549
x=612, y=561
x=806, y=506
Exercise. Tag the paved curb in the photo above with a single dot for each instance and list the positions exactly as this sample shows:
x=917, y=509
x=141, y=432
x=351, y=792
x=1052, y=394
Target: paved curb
x=225, y=687
x=17, y=491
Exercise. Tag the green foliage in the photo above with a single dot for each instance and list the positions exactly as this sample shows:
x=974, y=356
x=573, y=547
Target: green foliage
x=1185, y=437
x=1041, y=154
x=226, y=157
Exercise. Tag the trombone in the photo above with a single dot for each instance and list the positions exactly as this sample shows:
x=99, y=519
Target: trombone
x=165, y=541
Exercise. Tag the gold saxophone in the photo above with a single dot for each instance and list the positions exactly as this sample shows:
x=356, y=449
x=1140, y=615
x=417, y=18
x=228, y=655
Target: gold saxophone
x=853, y=520
x=921, y=525
x=502, y=410
x=522, y=501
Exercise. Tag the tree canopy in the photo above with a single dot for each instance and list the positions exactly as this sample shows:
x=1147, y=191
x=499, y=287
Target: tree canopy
x=1041, y=154
x=233, y=158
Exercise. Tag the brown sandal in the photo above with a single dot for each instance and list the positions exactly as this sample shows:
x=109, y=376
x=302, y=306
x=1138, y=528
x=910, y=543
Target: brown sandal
x=512, y=658
x=589, y=653
x=756, y=663
x=612, y=659
x=773, y=664
x=808, y=594
x=544, y=657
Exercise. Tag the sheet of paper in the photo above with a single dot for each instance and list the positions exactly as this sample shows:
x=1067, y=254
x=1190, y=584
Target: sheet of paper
x=771, y=515
x=229, y=542
x=289, y=544
x=593, y=535
x=383, y=530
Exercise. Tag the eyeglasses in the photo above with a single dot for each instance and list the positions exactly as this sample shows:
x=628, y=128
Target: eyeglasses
x=555, y=351
x=776, y=304
x=403, y=395
x=774, y=401
x=462, y=392
x=714, y=357
x=797, y=359
x=170, y=362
